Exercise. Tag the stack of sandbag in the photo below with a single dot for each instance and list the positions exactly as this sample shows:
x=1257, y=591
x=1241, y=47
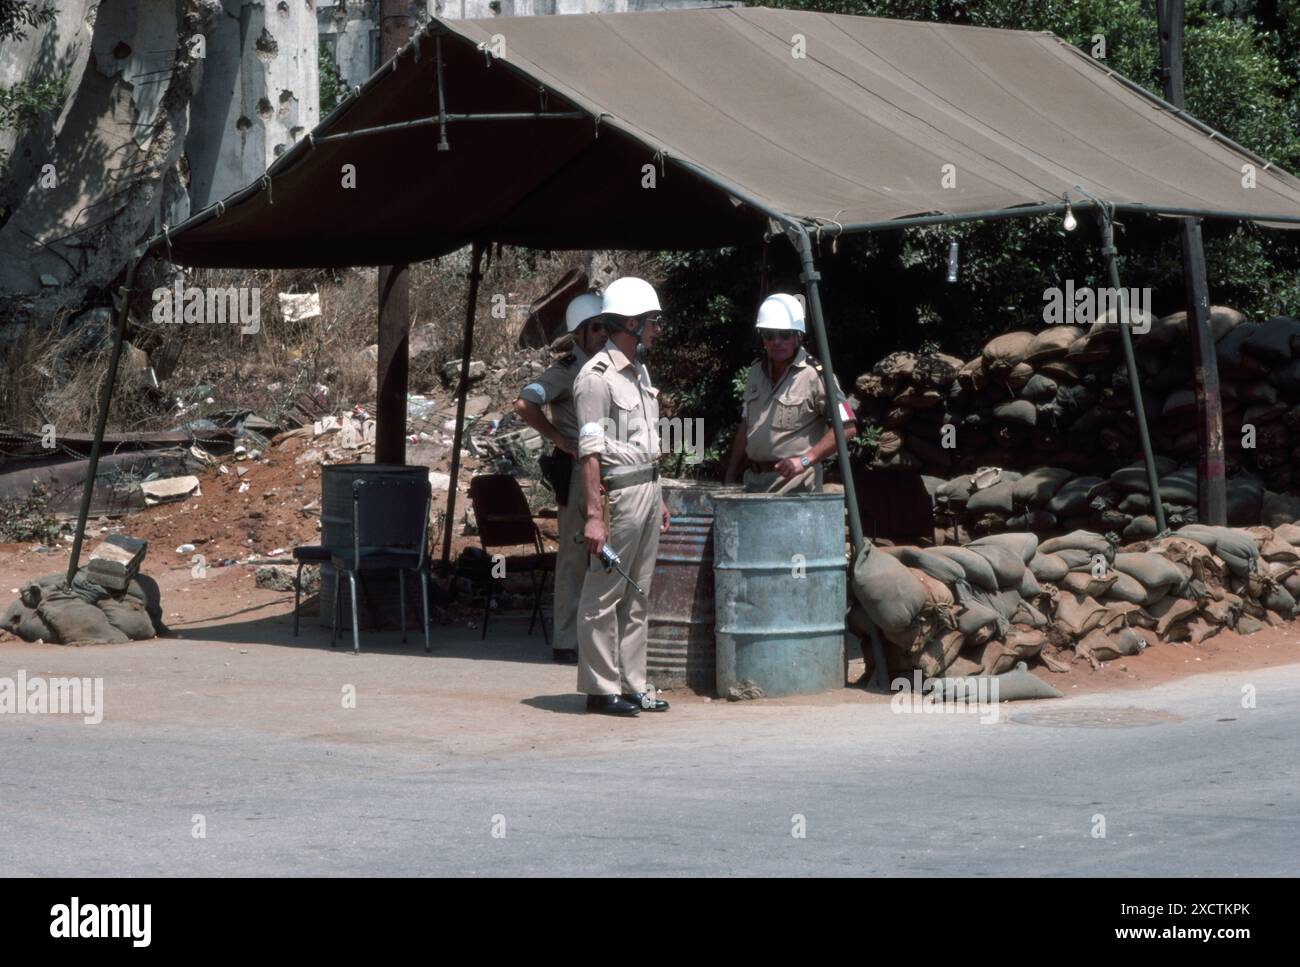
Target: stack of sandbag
x=978, y=608
x=1048, y=500
x=51, y=610
x=1059, y=396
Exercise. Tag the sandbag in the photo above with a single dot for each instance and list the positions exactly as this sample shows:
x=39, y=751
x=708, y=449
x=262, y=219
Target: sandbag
x=1004, y=352
x=979, y=573
x=1024, y=545
x=1072, y=498
x=1271, y=342
x=1140, y=528
x=1280, y=509
x=25, y=623
x=1098, y=646
x=1008, y=568
x=938, y=653
x=935, y=565
x=1052, y=343
x=1287, y=532
x=1079, y=614
x=1039, y=389
x=997, y=499
x=978, y=622
x=1075, y=558
x=127, y=615
x=1088, y=584
x=892, y=596
x=1040, y=486
x=74, y=621
x=1157, y=574
x=1134, y=476
x=1127, y=588
x=1028, y=588
x=1018, y=412
x=1081, y=540
x=1048, y=567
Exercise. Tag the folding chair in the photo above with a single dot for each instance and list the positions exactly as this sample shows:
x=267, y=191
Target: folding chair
x=505, y=520
x=382, y=511
x=307, y=555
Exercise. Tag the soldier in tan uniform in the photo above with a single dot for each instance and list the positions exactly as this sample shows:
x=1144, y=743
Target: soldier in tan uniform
x=618, y=447
x=785, y=431
x=554, y=388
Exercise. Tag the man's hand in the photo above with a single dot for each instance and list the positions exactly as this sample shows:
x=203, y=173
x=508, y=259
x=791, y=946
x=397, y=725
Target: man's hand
x=594, y=535
x=568, y=446
x=665, y=518
x=789, y=467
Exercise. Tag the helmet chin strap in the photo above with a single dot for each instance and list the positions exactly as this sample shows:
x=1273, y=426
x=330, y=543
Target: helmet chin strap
x=620, y=324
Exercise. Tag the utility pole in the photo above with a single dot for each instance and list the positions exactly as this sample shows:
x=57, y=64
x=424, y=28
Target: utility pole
x=1212, y=502
x=394, y=292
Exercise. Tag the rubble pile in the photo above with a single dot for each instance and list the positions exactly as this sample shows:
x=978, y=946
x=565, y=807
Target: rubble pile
x=1060, y=398
x=980, y=607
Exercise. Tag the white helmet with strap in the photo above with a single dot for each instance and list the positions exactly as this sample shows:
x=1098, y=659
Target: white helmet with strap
x=781, y=311
x=584, y=307
x=626, y=298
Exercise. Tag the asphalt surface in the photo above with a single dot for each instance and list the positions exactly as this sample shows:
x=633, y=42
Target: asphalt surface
x=437, y=773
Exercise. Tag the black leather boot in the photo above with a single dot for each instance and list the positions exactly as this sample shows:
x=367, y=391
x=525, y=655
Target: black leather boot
x=612, y=705
x=643, y=701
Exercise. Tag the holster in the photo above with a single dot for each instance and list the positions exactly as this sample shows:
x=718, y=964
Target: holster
x=557, y=469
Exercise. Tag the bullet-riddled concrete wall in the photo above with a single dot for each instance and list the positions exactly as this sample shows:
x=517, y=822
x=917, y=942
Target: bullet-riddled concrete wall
x=260, y=93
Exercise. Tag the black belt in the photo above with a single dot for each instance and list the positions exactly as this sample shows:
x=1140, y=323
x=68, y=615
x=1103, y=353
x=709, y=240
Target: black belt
x=646, y=474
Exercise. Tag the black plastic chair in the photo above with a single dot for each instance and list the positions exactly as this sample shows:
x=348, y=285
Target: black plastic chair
x=504, y=519
x=305, y=554
x=382, y=511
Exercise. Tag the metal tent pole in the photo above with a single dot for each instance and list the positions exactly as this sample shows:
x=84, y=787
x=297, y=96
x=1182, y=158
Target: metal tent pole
x=1126, y=339
x=101, y=420
x=471, y=303
x=810, y=276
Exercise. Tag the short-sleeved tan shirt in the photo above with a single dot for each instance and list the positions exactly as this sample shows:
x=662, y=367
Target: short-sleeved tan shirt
x=617, y=409
x=785, y=419
x=555, y=388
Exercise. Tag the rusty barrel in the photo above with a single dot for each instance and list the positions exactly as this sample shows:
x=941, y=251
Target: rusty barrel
x=780, y=590
x=377, y=589
x=680, y=650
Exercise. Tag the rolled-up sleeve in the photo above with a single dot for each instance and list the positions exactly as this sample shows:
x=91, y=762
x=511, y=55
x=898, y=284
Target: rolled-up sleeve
x=591, y=405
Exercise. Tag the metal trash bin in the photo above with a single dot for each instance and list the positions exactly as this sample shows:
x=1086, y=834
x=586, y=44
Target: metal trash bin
x=780, y=587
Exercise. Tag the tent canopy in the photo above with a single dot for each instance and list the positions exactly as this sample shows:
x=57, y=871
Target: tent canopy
x=734, y=126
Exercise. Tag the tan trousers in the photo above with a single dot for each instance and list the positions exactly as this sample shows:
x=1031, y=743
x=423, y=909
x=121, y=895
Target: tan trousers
x=612, y=616
x=810, y=482
x=570, y=563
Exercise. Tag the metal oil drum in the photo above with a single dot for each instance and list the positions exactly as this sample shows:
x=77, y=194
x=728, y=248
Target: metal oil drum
x=780, y=589
x=680, y=649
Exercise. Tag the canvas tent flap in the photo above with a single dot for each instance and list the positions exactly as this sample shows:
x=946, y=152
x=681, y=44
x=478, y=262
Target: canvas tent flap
x=858, y=130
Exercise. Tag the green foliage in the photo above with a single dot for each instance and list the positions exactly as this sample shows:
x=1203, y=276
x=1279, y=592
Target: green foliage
x=18, y=15
x=25, y=105
x=27, y=518
x=332, y=87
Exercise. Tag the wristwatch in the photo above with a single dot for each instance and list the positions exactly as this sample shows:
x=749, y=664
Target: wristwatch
x=805, y=462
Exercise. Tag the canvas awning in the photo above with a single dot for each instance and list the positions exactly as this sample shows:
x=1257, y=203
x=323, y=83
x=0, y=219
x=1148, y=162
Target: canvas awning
x=736, y=126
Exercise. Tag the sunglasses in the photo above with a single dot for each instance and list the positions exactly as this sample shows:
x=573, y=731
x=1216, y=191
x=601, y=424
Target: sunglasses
x=771, y=334
x=596, y=326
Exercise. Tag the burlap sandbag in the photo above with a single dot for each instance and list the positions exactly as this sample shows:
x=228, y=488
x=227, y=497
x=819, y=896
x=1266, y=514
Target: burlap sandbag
x=1039, y=389
x=972, y=376
x=1081, y=540
x=127, y=615
x=897, y=366
x=978, y=571
x=1098, y=646
x=1040, y=486
x=1088, y=584
x=1271, y=342
x=978, y=622
x=1134, y=476
x=145, y=590
x=1052, y=343
x=891, y=595
x=1048, y=567
x=997, y=499
x=935, y=565
x=938, y=653
x=1140, y=528
x=1023, y=545
x=1028, y=589
x=74, y=621
x=1073, y=496
x=25, y=622
x=1286, y=531
x=1007, y=566
x=1157, y=574
x=1004, y=352
x=1128, y=589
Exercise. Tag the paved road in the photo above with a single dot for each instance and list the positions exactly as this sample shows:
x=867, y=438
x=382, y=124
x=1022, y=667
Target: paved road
x=417, y=779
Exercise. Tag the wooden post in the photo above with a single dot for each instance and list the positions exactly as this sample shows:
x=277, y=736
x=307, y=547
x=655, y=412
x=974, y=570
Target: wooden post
x=392, y=368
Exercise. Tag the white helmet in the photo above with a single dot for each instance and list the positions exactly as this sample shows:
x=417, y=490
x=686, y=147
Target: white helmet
x=582, y=308
x=630, y=296
x=781, y=311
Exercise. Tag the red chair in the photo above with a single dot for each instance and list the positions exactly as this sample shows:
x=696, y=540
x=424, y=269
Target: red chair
x=505, y=520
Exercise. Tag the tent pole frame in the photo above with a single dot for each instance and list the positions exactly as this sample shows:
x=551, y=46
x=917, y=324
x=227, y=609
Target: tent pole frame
x=101, y=420
x=810, y=278
x=1109, y=252
x=462, y=390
